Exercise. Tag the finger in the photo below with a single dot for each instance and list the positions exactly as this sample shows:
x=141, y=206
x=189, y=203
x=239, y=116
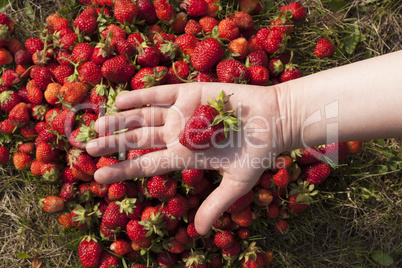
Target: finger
x=148, y=165
x=217, y=202
x=144, y=138
x=162, y=95
x=141, y=117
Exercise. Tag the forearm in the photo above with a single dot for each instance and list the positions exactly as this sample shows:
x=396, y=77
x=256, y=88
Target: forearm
x=359, y=101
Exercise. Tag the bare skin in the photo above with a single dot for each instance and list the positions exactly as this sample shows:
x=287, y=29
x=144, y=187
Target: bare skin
x=359, y=101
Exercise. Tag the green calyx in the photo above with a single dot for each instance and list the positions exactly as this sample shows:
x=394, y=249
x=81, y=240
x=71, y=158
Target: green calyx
x=127, y=205
x=229, y=121
x=87, y=133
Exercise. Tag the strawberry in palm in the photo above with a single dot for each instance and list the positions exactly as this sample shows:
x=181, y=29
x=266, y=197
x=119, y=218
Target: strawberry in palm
x=208, y=124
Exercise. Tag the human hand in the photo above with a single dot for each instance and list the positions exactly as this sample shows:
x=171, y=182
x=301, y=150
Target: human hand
x=241, y=158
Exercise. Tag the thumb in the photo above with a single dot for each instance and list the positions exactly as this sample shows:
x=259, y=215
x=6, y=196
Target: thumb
x=218, y=201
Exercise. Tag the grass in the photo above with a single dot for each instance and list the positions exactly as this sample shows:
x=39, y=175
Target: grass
x=357, y=218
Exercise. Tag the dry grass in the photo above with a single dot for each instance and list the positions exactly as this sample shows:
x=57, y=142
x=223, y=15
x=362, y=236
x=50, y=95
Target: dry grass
x=360, y=207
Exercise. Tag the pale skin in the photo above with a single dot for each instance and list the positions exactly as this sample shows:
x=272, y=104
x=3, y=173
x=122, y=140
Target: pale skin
x=359, y=101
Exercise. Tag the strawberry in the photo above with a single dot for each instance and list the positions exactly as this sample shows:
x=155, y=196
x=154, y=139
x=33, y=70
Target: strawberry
x=162, y=186
x=324, y=48
x=22, y=57
x=28, y=131
x=117, y=191
x=192, y=27
x=82, y=52
x=228, y=29
x=179, y=23
x=296, y=9
x=243, y=20
x=52, y=204
x=241, y=203
x=186, y=43
x=43, y=77
x=272, y=211
x=123, y=47
x=67, y=191
x=125, y=11
x=178, y=206
x=175, y=247
x=195, y=7
x=147, y=77
x=295, y=205
x=7, y=127
x=6, y=57
x=263, y=197
x=243, y=218
x=316, y=173
x=232, y=71
x=98, y=189
x=44, y=152
x=281, y=226
x=306, y=156
x=131, y=207
x=258, y=75
x=81, y=160
x=10, y=77
x=89, y=73
x=113, y=217
x=63, y=122
x=275, y=42
x=177, y=72
x=282, y=24
x=208, y=23
x=4, y=155
x=106, y=161
x=14, y=45
x=68, y=41
x=191, y=231
x=282, y=162
x=290, y=72
x=34, y=44
x=192, y=177
x=281, y=178
x=182, y=236
x=121, y=246
x=164, y=11
x=108, y=260
x=8, y=100
x=224, y=239
x=64, y=57
x=19, y=115
x=148, y=56
x=52, y=91
x=354, y=147
x=239, y=48
x=136, y=231
x=207, y=76
x=146, y=10
x=64, y=219
x=166, y=259
x=82, y=135
x=89, y=252
x=208, y=125
x=86, y=22
x=233, y=251
x=73, y=93
x=35, y=95
x=115, y=30
x=57, y=22
x=334, y=151
x=118, y=69
x=207, y=54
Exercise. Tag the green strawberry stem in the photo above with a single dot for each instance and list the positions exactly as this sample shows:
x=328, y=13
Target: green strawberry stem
x=229, y=121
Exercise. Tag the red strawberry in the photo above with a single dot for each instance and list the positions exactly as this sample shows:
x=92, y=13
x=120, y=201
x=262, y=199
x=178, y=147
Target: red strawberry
x=224, y=239
x=281, y=226
x=115, y=30
x=354, y=147
x=52, y=204
x=272, y=211
x=334, y=151
x=125, y=11
x=136, y=231
x=9, y=99
x=179, y=23
x=44, y=152
x=86, y=21
x=65, y=220
x=6, y=57
x=144, y=78
x=57, y=22
x=228, y=29
x=89, y=73
x=148, y=56
x=243, y=20
x=282, y=24
x=195, y=7
x=324, y=48
x=73, y=93
x=82, y=52
x=239, y=48
x=117, y=191
x=35, y=95
x=207, y=76
x=289, y=73
x=203, y=130
x=108, y=260
x=61, y=73
x=243, y=218
x=68, y=41
x=23, y=57
x=19, y=115
x=131, y=207
x=123, y=47
x=316, y=173
x=162, y=186
x=208, y=23
x=233, y=251
x=296, y=9
x=67, y=191
x=121, y=246
x=7, y=127
x=187, y=43
x=43, y=77
x=113, y=217
x=206, y=54
x=118, y=69
x=10, y=77
x=164, y=11
x=192, y=27
x=81, y=160
x=192, y=177
x=275, y=42
x=146, y=11
x=178, y=206
x=177, y=72
x=89, y=252
x=34, y=44
x=296, y=206
x=282, y=178
x=232, y=71
x=258, y=75
x=4, y=155
x=106, y=161
x=306, y=156
x=191, y=231
x=263, y=197
x=62, y=122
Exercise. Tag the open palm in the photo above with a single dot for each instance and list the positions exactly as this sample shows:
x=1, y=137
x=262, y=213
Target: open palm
x=241, y=158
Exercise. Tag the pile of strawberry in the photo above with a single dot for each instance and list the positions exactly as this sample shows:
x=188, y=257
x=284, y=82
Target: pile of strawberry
x=65, y=79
